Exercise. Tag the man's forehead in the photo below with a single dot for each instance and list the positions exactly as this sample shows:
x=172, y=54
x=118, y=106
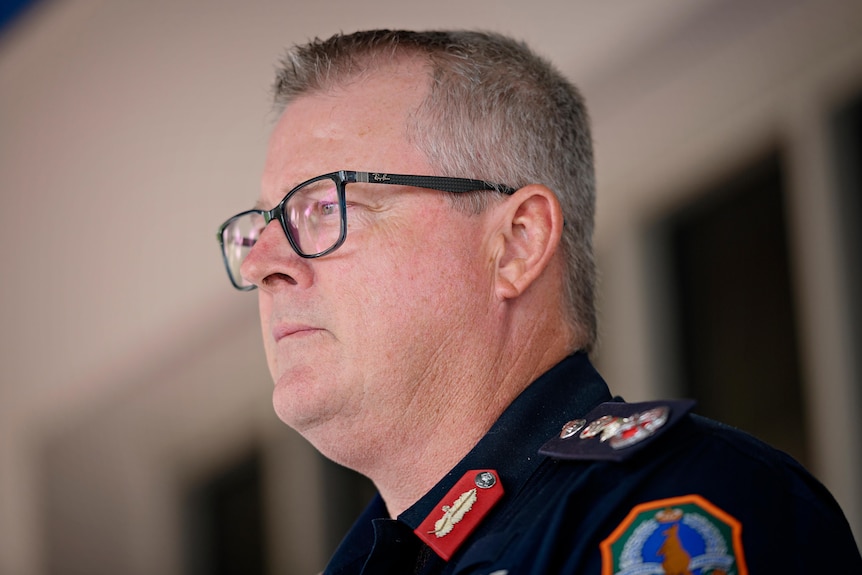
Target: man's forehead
x=394, y=88
x=360, y=125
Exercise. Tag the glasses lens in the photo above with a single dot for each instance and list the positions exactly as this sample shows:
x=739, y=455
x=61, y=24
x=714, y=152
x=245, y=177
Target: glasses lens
x=238, y=237
x=313, y=217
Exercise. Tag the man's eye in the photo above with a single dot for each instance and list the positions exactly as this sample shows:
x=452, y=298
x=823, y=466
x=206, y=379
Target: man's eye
x=324, y=209
x=328, y=208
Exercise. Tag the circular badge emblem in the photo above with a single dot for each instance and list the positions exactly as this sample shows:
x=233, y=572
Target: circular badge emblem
x=485, y=480
x=572, y=427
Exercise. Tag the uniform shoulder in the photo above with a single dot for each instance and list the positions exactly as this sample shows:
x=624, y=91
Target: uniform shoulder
x=719, y=440
x=615, y=430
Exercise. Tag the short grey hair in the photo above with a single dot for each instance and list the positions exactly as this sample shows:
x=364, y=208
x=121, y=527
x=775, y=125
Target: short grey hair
x=495, y=111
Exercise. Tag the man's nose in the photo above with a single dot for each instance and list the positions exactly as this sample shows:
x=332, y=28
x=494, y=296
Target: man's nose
x=273, y=262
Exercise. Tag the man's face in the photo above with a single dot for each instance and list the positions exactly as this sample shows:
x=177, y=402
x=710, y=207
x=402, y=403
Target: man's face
x=362, y=340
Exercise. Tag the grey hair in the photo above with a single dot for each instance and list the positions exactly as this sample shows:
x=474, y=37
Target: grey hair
x=495, y=111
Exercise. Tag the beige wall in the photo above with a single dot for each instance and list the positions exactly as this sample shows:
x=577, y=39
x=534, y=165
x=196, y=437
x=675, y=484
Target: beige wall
x=129, y=130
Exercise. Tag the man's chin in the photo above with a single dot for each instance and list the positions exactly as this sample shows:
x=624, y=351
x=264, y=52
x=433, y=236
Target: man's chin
x=298, y=413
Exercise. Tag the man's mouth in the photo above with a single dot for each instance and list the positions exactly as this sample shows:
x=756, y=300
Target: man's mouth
x=282, y=331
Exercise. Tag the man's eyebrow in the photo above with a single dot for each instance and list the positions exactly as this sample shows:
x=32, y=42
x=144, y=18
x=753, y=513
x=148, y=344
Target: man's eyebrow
x=261, y=205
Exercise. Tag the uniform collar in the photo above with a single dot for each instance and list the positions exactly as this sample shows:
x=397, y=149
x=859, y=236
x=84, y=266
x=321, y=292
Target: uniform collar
x=354, y=549
x=567, y=391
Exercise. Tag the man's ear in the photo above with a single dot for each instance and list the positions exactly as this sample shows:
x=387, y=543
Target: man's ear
x=530, y=234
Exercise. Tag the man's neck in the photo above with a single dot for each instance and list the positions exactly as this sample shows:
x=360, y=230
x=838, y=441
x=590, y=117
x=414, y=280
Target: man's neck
x=435, y=445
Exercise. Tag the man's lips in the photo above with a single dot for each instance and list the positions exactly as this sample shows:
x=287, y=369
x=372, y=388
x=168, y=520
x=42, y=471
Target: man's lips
x=281, y=331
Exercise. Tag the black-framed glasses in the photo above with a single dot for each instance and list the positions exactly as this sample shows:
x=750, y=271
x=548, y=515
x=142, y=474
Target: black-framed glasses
x=313, y=215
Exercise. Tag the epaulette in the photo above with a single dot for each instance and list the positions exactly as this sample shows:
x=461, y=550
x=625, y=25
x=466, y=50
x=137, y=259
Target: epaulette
x=460, y=511
x=615, y=431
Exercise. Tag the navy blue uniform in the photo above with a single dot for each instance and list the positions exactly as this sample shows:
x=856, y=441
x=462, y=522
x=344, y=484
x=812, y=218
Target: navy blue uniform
x=686, y=496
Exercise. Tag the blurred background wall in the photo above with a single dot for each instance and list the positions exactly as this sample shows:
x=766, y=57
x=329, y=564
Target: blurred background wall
x=136, y=431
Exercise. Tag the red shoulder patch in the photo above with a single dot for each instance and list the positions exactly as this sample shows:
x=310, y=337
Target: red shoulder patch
x=460, y=511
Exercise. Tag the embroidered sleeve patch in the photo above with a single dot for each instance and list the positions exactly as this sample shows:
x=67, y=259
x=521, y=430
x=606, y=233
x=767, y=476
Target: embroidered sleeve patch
x=678, y=536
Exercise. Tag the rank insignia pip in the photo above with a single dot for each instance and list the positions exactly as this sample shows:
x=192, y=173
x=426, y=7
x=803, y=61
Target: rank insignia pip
x=680, y=535
x=615, y=430
x=460, y=511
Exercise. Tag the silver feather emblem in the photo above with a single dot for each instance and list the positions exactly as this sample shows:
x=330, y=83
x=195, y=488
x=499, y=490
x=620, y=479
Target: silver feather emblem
x=452, y=515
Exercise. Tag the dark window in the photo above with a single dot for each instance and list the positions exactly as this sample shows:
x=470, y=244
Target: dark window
x=736, y=333
x=225, y=522
x=847, y=131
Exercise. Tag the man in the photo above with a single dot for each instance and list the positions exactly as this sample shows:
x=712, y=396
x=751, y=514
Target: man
x=426, y=297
